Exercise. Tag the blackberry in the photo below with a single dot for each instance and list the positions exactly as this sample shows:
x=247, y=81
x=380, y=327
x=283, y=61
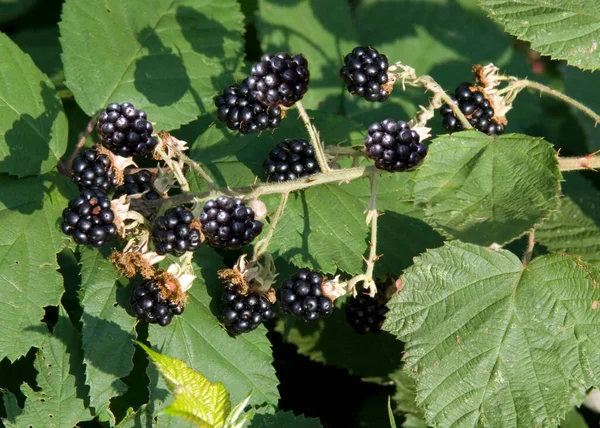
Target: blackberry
x=476, y=109
x=228, y=223
x=174, y=232
x=279, y=79
x=302, y=295
x=291, y=159
x=241, y=111
x=242, y=314
x=125, y=130
x=89, y=219
x=140, y=182
x=365, y=314
x=365, y=74
x=148, y=305
x=393, y=146
x=93, y=170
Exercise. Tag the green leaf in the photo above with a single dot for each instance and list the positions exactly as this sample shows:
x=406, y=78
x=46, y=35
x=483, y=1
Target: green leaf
x=10, y=9
x=33, y=125
x=284, y=419
x=404, y=400
x=580, y=86
x=242, y=364
x=323, y=31
x=562, y=29
x=196, y=398
x=485, y=190
x=60, y=402
x=492, y=341
x=575, y=227
x=574, y=419
x=191, y=48
x=108, y=331
x=30, y=237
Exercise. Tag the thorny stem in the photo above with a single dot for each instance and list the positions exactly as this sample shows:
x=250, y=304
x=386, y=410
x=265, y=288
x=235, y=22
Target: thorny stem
x=196, y=167
x=591, y=161
x=66, y=169
x=175, y=167
x=315, y=141
x=530, y=244
x=263, y=245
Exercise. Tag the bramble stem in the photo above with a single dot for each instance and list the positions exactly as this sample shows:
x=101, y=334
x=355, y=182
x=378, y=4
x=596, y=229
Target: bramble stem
x=263, y=245
x=530, y=244
x=591, y=161
x=315, y=141
x=196, y=167
x=175, y=167
x=66, y=169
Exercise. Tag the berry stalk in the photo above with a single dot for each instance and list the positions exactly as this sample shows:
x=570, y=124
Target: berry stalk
x=315, y=141
x=66, y=168
x=530, y=244
x=175, y=167
x=591, y=161
x=263, y=245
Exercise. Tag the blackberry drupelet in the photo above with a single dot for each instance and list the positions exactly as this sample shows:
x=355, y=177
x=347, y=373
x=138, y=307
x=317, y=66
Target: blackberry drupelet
x=302, y=295
x=291, y=159
x=89, y=218
x=125, y=130
x=279, y=79
x=140, y=182
x=476, y=108
x=93, y=170
x=148, y=305
x=365, y=314
x=393, y=146
x=174, y=232
x=242, y=112
x=242, y=314
x=228, y=223
x=365, y=74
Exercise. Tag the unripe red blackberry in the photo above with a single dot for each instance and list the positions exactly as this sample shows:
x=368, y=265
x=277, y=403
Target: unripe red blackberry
x=365, y=74
x=243, y=313
x=393, y=146
x=243, y=112
x=291, y=159
x=228, y=223
x=365, y=313
x=140, y=182
x=175, y=233
x=125, y=131
x=279, y=79
x=89, y=218
x=148, y=305
x=93, y=170
x=302, y=296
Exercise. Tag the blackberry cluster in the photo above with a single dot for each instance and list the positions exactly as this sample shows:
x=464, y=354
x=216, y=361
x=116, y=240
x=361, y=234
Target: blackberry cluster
x=365, y=314
x=242, y=314
x=365, y=74
x=228, y=223
x=476, y=109
x=140, y=182
x=173, y=232
x=302, y=295
x=279, y=79
x=93, y=170
x=393, y=146
x=291, y=160
x=243, y=112
x=125, y=130
x=89, y=219
x=148, y=305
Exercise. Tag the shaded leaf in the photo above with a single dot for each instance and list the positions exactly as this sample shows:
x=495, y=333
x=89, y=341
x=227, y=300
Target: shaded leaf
x=579, y=85
x=405, y=400
x=10, y=9
x=283, y=419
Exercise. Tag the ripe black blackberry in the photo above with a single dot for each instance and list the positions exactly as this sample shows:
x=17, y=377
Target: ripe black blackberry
x=302, y=295
x=89, y=219
x=365, y=74
x=365, y=313
x=242, y=314
x=148, y=305
x=243, y=112
x=476, y=109
x=393, y=146
x=125, y=130
x=174, y=232
x=140, y=182
x=228, y=223
x=93, y=170
x=291, y=159
x=279, y=79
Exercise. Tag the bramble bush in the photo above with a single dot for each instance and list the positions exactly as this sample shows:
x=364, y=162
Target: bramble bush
x=190, y=187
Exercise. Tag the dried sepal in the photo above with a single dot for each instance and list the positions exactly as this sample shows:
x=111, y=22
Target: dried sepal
x=487, y=80
x=334, y=288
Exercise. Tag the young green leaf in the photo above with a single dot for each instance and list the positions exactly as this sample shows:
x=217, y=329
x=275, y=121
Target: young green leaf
x=196, y=398
x=485, y=190
x=489, y=339
x=562, y=29
x=33, y=125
